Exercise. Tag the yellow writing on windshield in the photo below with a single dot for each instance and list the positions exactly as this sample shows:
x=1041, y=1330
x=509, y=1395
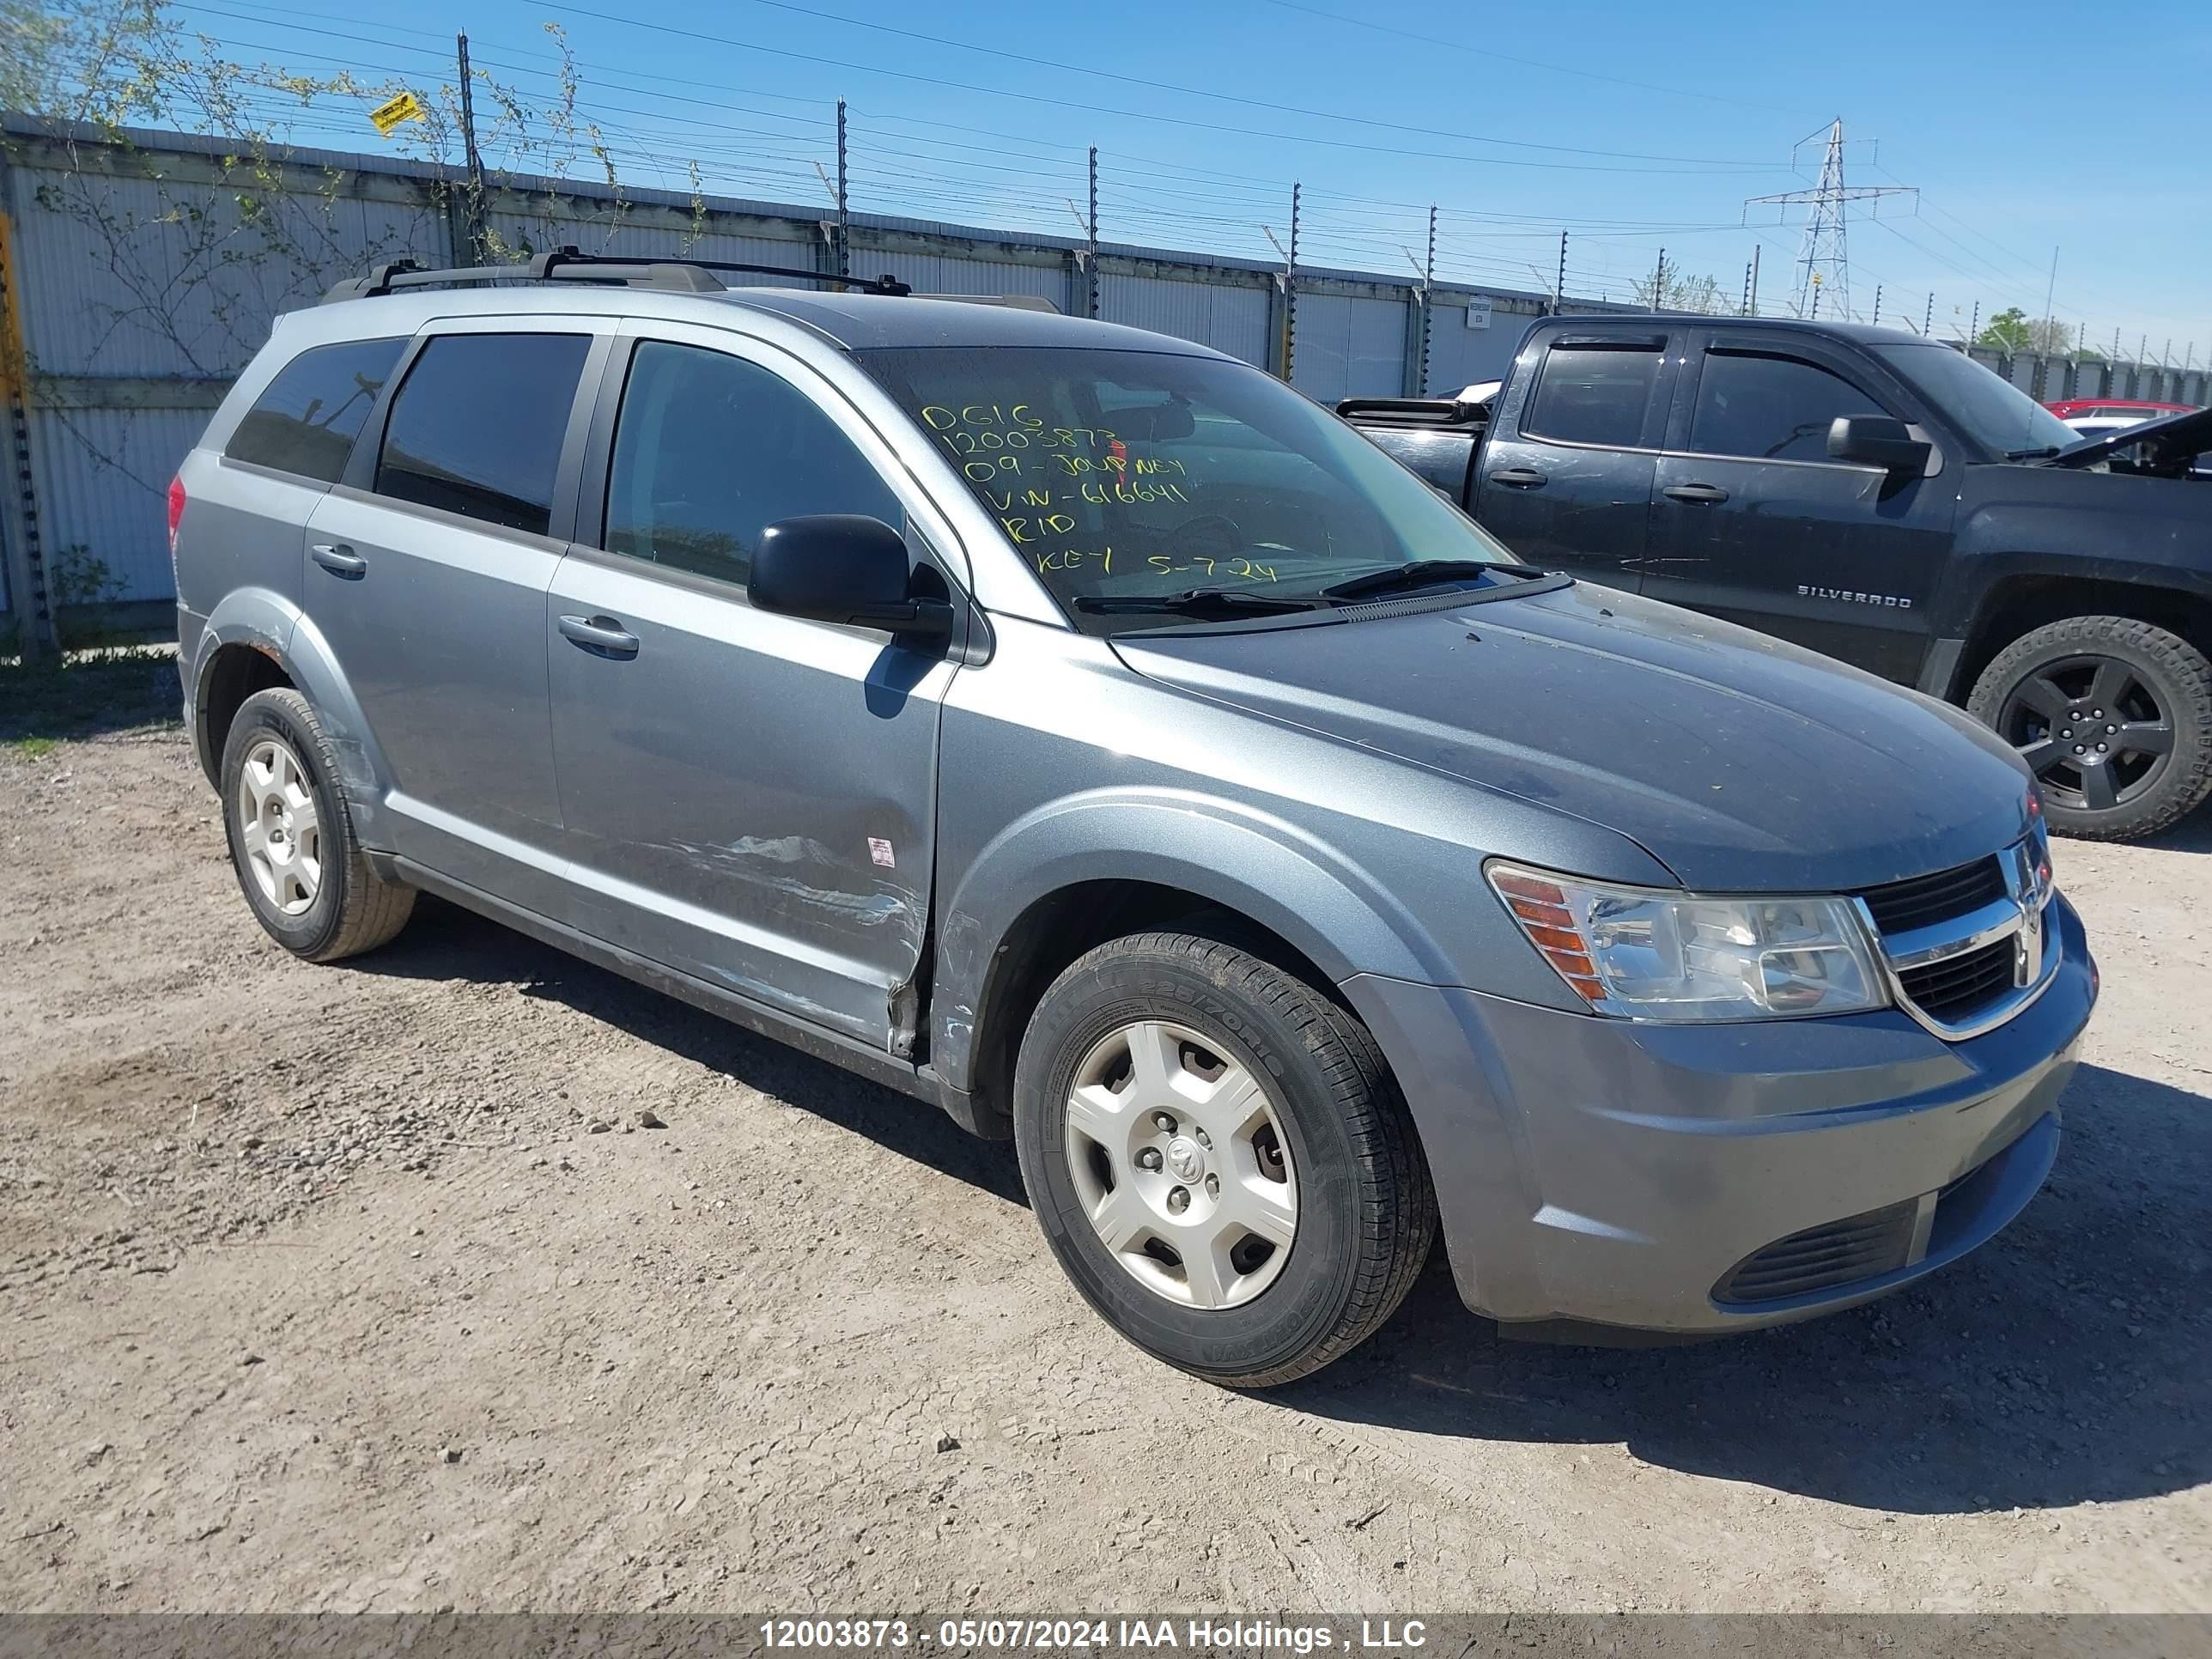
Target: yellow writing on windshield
x=1251, y=570
x=1037, y=476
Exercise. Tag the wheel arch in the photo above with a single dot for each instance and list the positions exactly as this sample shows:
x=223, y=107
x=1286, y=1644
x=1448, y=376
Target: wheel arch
x=231, y=672
x=244, y=647
x=1056, y=885
x=2025, y=600
x=254, y=638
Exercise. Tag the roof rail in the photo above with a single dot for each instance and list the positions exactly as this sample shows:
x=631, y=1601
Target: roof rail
x=567, y=265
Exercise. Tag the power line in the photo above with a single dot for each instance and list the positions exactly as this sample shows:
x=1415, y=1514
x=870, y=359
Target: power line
x=1356, y=222
x=1030, y=60
x=963, y=126
x=1983, y=283
x=694, y=140
x=1060, y=180
x=1072, y=164
x=283, y=19
x=446, y=58
x=1064, y=103
x=2033, y=270
x=601, y=79
x=1508, y=57
x=1233, y=221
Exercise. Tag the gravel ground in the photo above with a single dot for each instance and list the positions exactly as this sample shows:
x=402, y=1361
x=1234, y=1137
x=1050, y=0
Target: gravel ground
x=468, y=1275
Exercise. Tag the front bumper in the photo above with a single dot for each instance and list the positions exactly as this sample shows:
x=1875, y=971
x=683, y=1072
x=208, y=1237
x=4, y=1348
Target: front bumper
x=1607, y=1172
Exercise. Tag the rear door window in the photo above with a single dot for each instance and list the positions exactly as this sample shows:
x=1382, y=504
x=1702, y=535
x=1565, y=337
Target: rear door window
x=1594, y=394
x=305, y=423
x=1770, y=408
x=477, y=426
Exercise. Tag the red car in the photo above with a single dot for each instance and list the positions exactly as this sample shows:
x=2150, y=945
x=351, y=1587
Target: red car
x=2126, y=409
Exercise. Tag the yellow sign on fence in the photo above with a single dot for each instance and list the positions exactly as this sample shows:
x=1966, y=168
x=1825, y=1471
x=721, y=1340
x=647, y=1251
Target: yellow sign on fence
x=388, y=116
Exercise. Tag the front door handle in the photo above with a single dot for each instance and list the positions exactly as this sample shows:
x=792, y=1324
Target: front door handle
x=603, y=636
x=1519, y=477
x=1694, y=492
x=338, y=559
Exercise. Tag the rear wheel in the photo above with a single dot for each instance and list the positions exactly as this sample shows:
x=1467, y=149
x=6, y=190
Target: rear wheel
x=1220, y=1158
x=2113, y=716
x=291, y=838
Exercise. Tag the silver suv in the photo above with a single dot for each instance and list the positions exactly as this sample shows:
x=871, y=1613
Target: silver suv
x=1079, y=730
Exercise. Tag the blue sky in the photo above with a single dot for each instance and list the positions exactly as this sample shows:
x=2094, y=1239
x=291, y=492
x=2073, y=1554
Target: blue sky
x=2029, y=126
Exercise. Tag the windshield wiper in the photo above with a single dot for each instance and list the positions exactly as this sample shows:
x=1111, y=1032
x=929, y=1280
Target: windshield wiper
x=1194, y=602
x=1421, y=573
x=2041, y=453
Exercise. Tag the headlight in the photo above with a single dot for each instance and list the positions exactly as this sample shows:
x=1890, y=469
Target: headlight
x=1641, y=954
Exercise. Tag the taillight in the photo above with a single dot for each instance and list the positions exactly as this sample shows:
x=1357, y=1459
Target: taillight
x=175, y=518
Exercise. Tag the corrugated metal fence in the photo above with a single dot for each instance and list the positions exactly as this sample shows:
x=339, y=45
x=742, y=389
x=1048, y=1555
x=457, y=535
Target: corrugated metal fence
x=145, y=273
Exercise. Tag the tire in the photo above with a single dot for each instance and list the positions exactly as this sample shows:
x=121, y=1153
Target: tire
x=1256, y=1062
x=291, y=837
x=2047, y=694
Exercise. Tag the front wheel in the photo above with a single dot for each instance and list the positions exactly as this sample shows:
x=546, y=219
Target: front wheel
x=1220, y=1158
x=2113, y=716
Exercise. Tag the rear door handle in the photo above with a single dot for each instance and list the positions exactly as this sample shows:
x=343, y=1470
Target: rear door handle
x=1694, y=492
x=1519, y=477
x=603, y=636
x=338, y=559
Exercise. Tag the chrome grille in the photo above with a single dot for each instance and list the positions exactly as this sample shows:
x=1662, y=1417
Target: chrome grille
x=1959, y=987
x=1967, y=948
x=1905, y=905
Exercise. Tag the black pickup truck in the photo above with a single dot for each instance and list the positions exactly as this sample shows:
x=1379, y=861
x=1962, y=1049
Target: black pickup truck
x=1881, y=498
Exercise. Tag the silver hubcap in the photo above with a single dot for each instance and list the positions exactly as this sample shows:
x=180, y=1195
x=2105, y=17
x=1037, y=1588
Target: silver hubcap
x=278, y=826
x=1181, y=1165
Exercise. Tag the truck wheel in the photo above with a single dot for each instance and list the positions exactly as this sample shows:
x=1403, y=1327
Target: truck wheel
x=291, y=838
x=1220, y=1158
x=2113, y=716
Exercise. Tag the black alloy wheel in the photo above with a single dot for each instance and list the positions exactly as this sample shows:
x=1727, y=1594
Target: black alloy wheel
x=2114, y=717
x=2093, y=730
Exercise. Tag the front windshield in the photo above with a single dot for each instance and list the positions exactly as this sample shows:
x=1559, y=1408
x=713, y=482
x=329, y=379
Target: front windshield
x=1130, y=477
x=1990, y=409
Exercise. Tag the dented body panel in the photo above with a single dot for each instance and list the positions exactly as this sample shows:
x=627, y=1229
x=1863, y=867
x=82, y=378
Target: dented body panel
x=752, y=798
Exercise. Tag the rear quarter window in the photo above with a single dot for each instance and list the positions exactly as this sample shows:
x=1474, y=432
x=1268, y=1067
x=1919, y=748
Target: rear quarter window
x=306, y=422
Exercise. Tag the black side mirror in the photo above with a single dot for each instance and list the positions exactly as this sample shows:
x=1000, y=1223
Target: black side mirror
x=843, y=567
x=1878, y=441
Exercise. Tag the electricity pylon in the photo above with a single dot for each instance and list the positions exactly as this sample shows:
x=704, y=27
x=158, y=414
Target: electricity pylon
x=1824, y=266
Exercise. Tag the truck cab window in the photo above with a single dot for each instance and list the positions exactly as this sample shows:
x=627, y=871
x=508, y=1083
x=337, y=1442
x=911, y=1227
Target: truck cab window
x=1770, y=408
x=1594, y=395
